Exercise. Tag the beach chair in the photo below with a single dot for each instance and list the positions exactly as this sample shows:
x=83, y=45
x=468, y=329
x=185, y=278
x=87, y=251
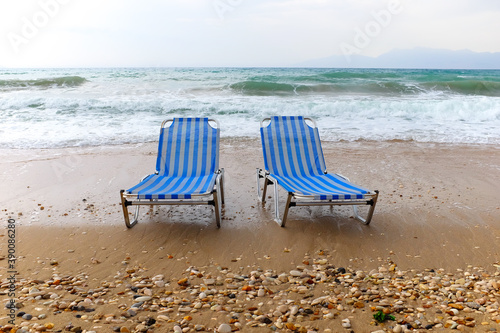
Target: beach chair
x=187, y=169
x=293, y=159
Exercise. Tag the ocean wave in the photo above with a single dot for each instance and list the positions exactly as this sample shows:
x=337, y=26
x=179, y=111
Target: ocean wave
x=368, y=87
x=68, y=122
x=101, y=106
x=264, y=88
x=465, y=87
x=45, y=83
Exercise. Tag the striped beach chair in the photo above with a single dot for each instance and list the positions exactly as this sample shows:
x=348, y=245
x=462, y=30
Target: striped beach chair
x=187, y=169
x=293, y=159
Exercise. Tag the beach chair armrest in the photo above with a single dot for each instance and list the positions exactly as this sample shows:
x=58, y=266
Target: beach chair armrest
x=341, y=176
x=262, y=173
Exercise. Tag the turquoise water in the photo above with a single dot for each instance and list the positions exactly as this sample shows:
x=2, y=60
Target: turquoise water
x=44, y=108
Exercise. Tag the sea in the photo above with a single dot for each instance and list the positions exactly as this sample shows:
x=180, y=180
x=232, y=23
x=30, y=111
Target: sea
x=55, y=108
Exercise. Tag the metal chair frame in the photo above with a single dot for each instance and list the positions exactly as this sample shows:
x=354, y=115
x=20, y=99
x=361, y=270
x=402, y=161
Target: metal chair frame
x=297, y=199
x=214, y=198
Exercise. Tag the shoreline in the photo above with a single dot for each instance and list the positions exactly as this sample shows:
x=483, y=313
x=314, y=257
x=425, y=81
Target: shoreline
x=229, y=140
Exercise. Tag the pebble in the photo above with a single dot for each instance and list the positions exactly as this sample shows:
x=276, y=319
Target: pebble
x=397, y=329
x=473, y=305
x=162, y=318
x=224, y=328
x=282, y=308
x=209, y=282
x=142, y=299
x=262, y=298
x=160, y=284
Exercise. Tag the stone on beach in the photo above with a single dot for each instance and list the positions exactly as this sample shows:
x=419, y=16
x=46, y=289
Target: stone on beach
x=224, y=328
x=346, y=323
x=307, y=296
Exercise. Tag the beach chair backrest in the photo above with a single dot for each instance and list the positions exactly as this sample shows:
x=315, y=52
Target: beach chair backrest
x=188, y=147
x=291, y=147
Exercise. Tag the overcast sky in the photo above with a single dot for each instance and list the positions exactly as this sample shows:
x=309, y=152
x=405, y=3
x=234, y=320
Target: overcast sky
x=91, y=33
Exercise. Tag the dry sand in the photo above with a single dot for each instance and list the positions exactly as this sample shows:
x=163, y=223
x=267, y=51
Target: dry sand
x=438, y=209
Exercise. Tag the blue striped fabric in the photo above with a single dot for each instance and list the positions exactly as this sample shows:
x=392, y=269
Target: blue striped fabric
x=293, y=156
x=187, y=162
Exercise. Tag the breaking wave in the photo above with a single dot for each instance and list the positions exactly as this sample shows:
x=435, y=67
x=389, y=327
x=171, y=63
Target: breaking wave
x=45, y=83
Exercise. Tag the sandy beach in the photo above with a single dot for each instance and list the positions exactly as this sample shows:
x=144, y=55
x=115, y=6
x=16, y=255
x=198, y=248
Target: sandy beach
x=437, y=222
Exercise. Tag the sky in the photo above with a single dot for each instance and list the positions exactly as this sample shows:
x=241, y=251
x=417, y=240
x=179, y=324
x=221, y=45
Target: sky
x=133, y=33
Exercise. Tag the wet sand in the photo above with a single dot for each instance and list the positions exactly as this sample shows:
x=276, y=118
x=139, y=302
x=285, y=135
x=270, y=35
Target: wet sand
x=438, y=209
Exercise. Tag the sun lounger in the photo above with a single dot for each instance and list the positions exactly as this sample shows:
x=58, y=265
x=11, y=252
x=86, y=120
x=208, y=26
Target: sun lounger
x=293, y=159
x=187, y=169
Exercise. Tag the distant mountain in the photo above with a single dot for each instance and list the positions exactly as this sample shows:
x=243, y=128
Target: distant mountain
x=414, y=58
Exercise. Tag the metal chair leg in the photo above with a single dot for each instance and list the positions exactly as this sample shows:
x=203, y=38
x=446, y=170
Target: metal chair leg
x=264, y=190
x=262, y=195
x=357, y=216
x=217, y=207
x=372, y=209
x=285, y=214
x=125, y=212
x=222, y=186
x=370, y=212
x=276, y=205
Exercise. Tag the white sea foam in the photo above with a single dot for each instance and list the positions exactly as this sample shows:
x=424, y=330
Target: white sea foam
x=127, y=106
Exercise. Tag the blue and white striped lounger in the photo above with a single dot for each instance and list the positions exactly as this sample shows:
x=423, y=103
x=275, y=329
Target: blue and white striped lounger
x=187, y=169
x=293, y=159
